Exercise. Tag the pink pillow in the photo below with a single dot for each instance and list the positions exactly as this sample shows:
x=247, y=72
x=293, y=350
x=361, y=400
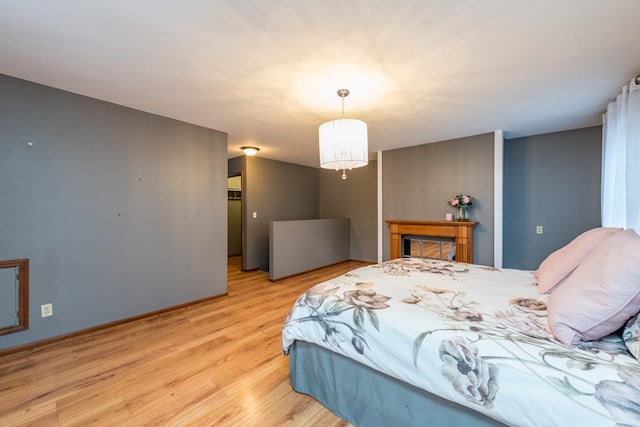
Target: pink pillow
x=601, y=294
x=563, y=261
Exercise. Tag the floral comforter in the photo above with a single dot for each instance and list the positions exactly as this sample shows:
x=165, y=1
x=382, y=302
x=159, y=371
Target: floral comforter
x=472, y=334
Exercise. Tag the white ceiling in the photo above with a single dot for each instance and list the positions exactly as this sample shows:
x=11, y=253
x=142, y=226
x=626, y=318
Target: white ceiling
x=266, y=72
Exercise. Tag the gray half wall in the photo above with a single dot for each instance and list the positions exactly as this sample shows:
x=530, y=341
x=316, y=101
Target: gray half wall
x=417, y=182
x=552, y=180
x=120, y=212
x=299, y=246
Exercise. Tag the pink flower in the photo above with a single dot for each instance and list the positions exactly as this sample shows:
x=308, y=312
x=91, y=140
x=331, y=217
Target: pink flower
x=460, y=200
x=366, y=298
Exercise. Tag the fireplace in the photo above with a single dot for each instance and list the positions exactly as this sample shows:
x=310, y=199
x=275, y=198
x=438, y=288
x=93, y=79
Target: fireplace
x=438, y=234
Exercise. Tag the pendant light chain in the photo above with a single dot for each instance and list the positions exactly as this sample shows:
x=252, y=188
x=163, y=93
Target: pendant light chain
x=343, y=93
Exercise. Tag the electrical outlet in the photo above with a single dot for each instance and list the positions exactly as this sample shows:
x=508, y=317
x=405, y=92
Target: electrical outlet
x=46, y=310
x=255, y=214
x=539, y=229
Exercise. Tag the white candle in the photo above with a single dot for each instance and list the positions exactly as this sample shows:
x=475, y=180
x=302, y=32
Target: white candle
x=448, y=216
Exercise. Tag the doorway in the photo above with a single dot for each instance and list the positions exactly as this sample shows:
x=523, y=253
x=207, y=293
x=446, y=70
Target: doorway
x=234, y=216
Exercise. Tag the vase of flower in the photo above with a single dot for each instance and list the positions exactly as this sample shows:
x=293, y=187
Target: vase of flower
x=462, y=203
x=463, y=213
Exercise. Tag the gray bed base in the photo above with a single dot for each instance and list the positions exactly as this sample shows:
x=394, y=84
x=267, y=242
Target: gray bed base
x=367, y=398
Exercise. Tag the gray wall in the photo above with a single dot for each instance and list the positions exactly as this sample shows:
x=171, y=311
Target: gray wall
x=299, y=246
x=119, y=211
x=236, y=166
x=234, y=221
x=354, y=198
x=276, y=191
x=418, y=181
x=551, y=180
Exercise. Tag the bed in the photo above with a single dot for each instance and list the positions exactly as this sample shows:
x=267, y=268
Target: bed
x=416, y=341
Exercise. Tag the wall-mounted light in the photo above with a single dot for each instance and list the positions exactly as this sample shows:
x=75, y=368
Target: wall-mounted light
x=250, y=151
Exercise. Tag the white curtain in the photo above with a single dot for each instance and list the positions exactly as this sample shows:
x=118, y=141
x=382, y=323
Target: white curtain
x=621, y=160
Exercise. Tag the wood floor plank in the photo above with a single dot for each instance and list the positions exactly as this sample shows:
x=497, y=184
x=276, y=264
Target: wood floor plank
x=40, y=414
x=217, y=362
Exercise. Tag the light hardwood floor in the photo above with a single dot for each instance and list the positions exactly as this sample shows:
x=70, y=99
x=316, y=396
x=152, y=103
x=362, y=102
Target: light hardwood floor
x=216, y=363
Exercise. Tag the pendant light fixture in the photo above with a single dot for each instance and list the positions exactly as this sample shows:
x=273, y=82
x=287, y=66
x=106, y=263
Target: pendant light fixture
x=343, y=142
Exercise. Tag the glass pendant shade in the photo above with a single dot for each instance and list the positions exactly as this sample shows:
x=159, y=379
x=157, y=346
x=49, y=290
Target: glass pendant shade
x=343, y=144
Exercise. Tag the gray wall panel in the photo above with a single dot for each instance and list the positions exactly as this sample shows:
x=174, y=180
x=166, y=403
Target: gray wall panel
x=120, y=212
x=551, y=180
x=418, y=181
x=234, y=227
x=354, y=198
x=276, y=191
x=236, y=166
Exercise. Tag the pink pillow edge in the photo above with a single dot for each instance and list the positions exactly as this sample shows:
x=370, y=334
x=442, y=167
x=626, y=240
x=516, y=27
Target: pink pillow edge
x=627, y=304
x=566, y=334
x=546, y=289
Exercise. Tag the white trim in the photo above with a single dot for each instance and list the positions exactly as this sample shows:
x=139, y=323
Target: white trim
x=380, y=219
x=498, y=185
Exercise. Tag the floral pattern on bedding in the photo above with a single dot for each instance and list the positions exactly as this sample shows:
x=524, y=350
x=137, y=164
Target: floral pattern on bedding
x=324, y=306
x=472, y=334
x=469, y=374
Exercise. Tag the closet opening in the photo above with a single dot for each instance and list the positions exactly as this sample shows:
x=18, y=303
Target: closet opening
x=234, y=216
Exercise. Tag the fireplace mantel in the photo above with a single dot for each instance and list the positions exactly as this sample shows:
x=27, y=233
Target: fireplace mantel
x=460, y=231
